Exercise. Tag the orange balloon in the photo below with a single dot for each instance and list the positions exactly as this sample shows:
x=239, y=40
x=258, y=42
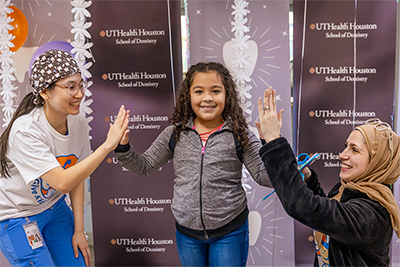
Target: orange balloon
x=20, y=30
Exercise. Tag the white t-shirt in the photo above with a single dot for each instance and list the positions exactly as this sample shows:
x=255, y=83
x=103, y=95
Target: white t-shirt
x=34, y=148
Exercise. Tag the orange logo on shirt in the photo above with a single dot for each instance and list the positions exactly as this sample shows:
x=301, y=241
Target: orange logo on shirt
x=67, y=161
x=42, y=190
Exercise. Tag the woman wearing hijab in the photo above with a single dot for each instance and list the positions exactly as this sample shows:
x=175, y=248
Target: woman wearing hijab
x=354, y=223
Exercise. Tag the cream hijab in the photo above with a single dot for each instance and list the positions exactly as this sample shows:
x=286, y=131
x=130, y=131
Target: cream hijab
x=383, y=169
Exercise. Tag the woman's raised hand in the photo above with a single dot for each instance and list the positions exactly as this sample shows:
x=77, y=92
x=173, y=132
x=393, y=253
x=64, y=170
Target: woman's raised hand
x=119, y=129
x=270, y=124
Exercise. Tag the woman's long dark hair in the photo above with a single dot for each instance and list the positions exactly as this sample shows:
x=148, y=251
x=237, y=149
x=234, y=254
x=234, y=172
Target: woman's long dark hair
x=27, y=104
x=183, y=110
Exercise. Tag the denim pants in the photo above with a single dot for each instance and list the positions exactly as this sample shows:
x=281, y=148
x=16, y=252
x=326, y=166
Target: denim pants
x=229, y=250
x=56, y=226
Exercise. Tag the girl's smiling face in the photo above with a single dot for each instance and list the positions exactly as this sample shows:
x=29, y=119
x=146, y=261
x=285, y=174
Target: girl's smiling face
x=207, y=98
x=355, y=157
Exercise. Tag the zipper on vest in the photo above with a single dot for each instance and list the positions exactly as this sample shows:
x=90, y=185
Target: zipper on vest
x=201, y=188
x=201, y=179
x=201, y=194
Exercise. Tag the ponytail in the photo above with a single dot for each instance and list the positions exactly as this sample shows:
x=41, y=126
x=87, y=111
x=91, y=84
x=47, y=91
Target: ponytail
x=27, y=104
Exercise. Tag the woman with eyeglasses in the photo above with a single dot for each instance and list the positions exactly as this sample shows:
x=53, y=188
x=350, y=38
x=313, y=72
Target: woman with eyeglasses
x=45, y=154
x=353, y=225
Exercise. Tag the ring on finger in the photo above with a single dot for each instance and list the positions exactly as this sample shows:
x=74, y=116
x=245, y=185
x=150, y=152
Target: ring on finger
x=266, y=108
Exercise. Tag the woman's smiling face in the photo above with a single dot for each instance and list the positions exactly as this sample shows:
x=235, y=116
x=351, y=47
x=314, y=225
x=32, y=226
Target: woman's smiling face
x=355, y=157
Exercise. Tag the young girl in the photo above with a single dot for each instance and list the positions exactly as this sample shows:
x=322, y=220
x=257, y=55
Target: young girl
x=354, y=223
x=209, y=202
x=42, y=157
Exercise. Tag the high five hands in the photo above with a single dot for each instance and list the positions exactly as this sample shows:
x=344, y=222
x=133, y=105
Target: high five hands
x=270, y=124
x=119, y=129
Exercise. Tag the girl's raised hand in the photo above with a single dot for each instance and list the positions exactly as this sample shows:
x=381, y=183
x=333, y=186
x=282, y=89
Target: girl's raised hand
x=270, y=124
x=125, y=138
x=118, y=129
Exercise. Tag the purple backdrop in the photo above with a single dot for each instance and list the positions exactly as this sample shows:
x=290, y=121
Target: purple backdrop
x=344, y=74
x=137, y=55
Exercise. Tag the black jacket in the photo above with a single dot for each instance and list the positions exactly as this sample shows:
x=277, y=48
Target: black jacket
x=360, y=229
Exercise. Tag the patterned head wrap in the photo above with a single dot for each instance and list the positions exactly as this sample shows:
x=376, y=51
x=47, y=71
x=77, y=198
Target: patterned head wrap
x=49, y=67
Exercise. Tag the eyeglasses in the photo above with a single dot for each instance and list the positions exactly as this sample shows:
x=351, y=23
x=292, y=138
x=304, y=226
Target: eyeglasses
x=382, y=127
x=73, y=88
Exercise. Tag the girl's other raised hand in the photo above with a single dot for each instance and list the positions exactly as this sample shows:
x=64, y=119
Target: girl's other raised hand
x=118, y=129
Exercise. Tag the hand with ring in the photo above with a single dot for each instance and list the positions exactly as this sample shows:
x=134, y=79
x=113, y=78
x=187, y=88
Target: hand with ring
x=270, y=124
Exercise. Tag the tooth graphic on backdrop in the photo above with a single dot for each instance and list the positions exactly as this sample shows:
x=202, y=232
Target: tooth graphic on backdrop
x=229, y=53
x=255, y=221
x=240, y=57
x=250, y=55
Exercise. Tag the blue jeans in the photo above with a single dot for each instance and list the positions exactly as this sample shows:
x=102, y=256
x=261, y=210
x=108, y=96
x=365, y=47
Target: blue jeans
x=229, y=250
x=56, y=226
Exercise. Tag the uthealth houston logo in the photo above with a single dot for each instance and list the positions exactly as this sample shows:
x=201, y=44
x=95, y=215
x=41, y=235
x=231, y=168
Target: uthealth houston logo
x=329, y=70
x=140, y=241
x=130, y=33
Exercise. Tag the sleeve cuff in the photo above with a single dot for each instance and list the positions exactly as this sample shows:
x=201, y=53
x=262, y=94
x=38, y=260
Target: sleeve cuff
x=122, y=148
x=276, y=142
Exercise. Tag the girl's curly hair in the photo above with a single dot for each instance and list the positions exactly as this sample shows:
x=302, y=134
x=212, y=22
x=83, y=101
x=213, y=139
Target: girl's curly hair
x=183, y=110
